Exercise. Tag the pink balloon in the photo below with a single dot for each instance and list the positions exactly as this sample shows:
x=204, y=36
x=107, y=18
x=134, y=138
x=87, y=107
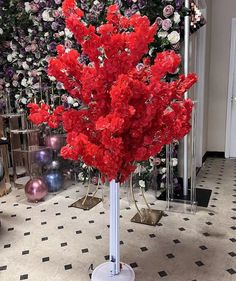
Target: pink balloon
x=36, y=190
x=55, y=142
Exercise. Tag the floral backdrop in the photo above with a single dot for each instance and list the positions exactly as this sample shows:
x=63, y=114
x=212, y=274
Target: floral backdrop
x=30, y=31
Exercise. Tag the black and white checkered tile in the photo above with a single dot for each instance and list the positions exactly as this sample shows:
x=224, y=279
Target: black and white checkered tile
x=51, y=242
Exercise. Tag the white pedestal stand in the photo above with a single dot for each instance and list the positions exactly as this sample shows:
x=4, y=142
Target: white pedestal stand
x=114, y=270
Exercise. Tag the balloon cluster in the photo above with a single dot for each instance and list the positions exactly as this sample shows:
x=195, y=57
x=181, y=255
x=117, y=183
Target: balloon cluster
x=37, y=188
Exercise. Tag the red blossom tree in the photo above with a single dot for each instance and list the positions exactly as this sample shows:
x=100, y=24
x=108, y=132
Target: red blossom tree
x=130, y=112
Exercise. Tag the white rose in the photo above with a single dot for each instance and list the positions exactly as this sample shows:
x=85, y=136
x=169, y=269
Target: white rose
x=15, y=83
x=68, y=33
x=9, y=58
x=13, y=46
x=173, y=37
x=25, y=65
x=52, y=78
x=176, y=17
x=27, y=7
x=30, y=81
x=24, y=100
x=141, y=183
x=24, y=82
x=1, y=31
x=70, y=100
x=46, y=16
x=175, y=162
x=14, y=54
x=162, y=34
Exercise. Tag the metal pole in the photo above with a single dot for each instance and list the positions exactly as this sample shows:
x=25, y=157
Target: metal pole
x=186, y=70
x=114, y=228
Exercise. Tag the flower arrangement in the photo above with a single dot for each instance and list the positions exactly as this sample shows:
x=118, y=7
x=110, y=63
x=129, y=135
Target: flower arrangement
x=29, y=31
x=129, y=111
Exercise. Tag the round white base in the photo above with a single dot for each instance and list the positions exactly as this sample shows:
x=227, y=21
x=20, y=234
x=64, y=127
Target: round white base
x=102, y=273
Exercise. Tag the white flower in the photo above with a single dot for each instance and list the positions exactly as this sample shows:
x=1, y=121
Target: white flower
x=24, y=82
x=70, y=100
x=25, y=65
x=162, y=34
x=30, y=81
x=84, y=166
x=7, y=85
x=176, y=17
x=21, y=56
x=61, y=33
x=27, y=7
x=141, y=183
x=15, y=83
x=52, y=78
x=76, y=104
x=14, y=54
x=17, y=96
x=13, y=46
x=24, y=100
x=46, y=16
x=163, y=170
x=68, y=33
x=175, y=162
x=9, y=58
x=29, y=59
x=1, y=31
x=173, y=37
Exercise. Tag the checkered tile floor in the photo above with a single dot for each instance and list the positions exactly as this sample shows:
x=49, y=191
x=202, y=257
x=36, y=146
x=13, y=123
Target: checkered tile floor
x=51, y=242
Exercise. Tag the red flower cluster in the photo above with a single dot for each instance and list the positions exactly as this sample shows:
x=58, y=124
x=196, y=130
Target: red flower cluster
x=129, y=110
x=44, y=114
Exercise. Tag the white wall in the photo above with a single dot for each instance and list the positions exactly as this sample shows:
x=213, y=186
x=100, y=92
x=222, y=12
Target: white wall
x=222, y=14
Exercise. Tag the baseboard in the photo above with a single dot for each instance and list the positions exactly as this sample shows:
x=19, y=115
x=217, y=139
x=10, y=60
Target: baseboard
x=213, y=154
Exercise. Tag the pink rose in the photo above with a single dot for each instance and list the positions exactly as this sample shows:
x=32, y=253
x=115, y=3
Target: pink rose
x=68, y=44
x=33, y=47
x=159, y=21
x=28, y=48
x=56, y=14
x=34, y=7
x=166, y=24
x=34, y=73
x=168, y=11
